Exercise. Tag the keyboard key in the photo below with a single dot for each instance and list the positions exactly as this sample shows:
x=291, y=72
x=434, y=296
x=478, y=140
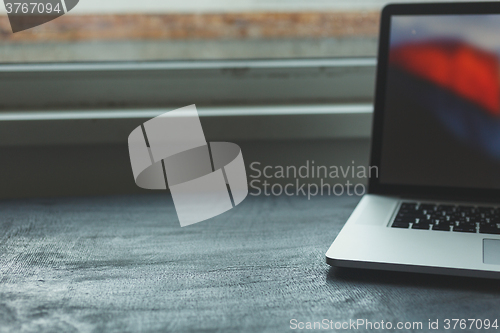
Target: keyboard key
x=466, y=209
x=489, y=229
x=408, y=206
x=446, y=208
x=442, y=222
x=414, y=215
x=401, y=225
x=482, y=209
x=441, y=227
x=422, y=226
x=427, y=207
x=433, y=216
x=458, y=221
x=465, y=227
x=405, y=220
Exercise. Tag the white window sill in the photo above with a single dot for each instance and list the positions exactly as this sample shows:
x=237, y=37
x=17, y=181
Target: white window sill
x=287, y=122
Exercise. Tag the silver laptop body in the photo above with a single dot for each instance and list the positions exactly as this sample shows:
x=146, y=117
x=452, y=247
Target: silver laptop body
x=434, y=206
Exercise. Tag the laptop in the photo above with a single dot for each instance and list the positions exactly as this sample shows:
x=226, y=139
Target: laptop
x=434, y=206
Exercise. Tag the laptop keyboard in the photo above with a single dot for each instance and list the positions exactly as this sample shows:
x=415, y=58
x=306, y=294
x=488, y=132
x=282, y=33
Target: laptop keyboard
x=454, y=218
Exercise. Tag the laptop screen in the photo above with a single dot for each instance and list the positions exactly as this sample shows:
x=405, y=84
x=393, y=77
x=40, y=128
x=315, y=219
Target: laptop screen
x=442, y=105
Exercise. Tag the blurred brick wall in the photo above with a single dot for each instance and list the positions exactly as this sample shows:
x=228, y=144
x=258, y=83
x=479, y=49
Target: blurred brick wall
x=235, y=26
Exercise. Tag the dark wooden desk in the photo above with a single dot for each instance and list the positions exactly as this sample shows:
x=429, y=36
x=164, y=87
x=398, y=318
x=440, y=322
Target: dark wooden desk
x=118, y=264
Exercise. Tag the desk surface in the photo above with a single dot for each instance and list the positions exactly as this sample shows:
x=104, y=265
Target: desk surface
x=117, y=264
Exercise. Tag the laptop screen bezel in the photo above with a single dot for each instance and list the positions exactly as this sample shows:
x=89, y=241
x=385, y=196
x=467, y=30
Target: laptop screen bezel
x=374, y=185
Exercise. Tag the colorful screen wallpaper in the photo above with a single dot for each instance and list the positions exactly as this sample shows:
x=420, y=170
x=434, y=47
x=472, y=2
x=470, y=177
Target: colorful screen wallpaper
x=442, y=103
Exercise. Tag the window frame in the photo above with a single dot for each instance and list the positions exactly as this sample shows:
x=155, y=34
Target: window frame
x=255, y=99
x=178, y=83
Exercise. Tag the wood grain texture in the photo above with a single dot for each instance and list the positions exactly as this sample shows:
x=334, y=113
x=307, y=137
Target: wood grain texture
x=123, y=264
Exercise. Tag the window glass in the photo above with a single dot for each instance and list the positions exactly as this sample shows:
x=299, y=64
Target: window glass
x=133, y=30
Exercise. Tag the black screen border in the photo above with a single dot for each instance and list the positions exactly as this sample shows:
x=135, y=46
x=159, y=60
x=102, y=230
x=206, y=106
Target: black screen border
x=374, y=184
